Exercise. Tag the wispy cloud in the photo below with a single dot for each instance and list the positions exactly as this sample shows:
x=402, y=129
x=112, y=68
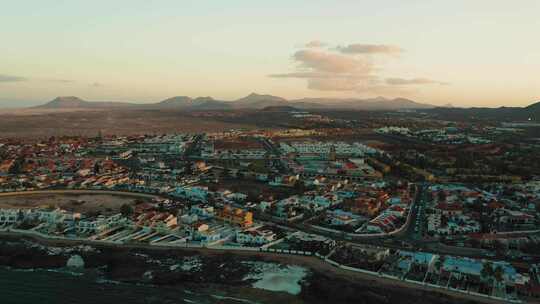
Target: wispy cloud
x=59, y=80
x=313, y=75
x=413, y=81
x=359, y=48
x=11, y=78
x=315, y=44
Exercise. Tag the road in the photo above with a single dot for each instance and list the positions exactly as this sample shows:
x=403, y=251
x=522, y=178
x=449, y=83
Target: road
x=410, y=237
x=416, y=227
x=416, y=232
x=310, y=262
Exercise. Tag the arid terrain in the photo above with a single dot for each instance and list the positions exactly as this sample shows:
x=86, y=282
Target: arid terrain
x=34, y=123
x=102, y=203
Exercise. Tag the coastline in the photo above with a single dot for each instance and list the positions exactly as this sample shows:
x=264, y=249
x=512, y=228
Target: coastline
x=322, y=270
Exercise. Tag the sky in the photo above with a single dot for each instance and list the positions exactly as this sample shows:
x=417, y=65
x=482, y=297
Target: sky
x=463, y=52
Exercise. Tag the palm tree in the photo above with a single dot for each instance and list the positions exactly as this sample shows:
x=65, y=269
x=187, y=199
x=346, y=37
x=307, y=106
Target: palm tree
x=487, y=269
x=442, y=259
x=438, y=265
x=487, y=272
x=498, y=275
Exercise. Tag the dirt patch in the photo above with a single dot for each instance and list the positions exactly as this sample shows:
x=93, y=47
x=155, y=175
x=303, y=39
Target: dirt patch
x=84, y=203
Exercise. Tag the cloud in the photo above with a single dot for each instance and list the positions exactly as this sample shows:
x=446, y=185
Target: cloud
x=321, y=61
x=349, y=68
x=315, y=44
x=11, y=78
x=322, y=75
x=301, y=75
x=326, y=70
x=96, y=84
x=412, y=81
x=329, y=71
x=359, y=48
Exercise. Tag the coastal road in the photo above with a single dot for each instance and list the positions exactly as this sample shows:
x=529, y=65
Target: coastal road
x=310, y=262
x=407, y=235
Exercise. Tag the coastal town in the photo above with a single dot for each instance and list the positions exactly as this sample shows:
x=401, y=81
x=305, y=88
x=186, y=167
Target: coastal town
x=262, y=152
x=450, y=209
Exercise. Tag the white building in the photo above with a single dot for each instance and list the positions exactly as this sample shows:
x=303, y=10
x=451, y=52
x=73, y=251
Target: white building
x=324, y=148
x=255, y=237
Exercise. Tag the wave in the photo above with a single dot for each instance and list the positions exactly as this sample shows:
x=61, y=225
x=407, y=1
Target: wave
x=55, y=270
x=105, y=281
x=218, y=297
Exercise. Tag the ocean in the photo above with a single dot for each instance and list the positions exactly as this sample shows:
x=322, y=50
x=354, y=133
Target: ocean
x=59, y=287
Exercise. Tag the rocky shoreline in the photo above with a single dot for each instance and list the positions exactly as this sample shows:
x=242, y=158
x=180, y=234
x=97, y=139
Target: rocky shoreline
x=221, y=273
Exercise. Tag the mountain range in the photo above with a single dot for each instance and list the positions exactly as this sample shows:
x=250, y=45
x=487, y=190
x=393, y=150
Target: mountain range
x=252, y=101
x=269, y=102
x=72, y=102
x=529, y=113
